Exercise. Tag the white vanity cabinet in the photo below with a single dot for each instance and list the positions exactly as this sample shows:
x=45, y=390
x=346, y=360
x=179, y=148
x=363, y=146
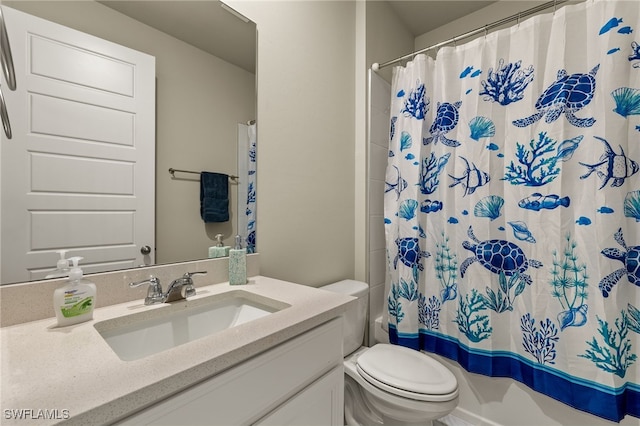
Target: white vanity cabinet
x=319, y=404
x=297, y=382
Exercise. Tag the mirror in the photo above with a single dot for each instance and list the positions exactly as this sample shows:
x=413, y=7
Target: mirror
x=205, y=96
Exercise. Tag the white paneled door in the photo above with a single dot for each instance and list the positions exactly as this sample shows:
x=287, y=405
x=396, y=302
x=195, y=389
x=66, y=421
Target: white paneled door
x=78, y=173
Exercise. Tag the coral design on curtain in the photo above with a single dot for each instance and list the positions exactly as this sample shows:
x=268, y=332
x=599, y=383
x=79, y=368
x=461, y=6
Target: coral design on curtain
x=512, y=205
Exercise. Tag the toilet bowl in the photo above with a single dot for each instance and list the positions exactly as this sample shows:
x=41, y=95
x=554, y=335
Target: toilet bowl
x=389, y=384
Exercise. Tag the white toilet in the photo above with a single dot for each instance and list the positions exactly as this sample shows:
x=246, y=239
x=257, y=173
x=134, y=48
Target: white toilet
x=389, y=384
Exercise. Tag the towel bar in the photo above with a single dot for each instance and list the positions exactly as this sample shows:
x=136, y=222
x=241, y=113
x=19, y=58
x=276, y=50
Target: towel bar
x=172, y=171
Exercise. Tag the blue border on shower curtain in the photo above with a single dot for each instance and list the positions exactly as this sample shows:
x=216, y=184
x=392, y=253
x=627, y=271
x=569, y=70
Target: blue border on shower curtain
x=590, y=397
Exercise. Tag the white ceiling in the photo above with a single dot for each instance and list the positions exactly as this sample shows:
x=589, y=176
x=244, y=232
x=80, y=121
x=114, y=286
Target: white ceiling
x=203, y=24
x=208, y=26
x=422, y=16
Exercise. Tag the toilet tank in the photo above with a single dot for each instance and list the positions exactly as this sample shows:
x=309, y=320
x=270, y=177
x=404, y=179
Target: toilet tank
x=355, y=318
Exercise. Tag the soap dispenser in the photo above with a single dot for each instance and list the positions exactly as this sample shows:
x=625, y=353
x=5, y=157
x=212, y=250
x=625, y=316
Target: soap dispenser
x=62, y=267
x=238, y=263
x=220, y=250
x=73, y=303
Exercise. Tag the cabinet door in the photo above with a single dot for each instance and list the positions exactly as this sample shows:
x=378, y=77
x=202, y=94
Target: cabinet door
x=248, y=391
x=321, y=404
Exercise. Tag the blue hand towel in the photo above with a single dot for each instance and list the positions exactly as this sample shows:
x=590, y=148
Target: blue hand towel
x=214, y=197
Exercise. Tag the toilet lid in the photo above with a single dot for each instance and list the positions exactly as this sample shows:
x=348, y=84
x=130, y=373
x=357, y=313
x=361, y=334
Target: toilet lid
x=406, y=372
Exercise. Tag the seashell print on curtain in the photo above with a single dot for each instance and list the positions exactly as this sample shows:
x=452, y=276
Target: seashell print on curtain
x=512, y=205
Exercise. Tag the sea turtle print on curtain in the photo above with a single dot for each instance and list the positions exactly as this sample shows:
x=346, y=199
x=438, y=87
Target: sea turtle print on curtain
x=512, y=206
x=568, y=94
x=446, y=120
x=498, y=256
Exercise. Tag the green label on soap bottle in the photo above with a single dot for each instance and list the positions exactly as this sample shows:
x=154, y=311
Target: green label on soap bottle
x=84, y=306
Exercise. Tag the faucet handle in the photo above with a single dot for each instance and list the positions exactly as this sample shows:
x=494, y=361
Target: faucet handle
x=154, y=292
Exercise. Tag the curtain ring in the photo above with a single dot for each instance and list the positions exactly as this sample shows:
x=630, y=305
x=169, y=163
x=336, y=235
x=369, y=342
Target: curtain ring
x=555, y=5
x=519, y=18
x=486, y=31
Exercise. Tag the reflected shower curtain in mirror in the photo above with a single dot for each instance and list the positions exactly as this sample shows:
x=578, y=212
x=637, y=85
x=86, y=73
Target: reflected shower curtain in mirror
x=251, y=189
x=512, y=205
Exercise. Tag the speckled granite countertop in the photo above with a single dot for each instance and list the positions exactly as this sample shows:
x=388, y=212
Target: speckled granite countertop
x=73, y=373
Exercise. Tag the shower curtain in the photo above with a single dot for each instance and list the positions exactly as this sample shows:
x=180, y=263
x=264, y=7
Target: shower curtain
x=250, y=210
x=512, y=205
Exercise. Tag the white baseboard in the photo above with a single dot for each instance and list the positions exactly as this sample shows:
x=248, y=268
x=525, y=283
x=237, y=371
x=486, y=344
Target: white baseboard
x=461, y=417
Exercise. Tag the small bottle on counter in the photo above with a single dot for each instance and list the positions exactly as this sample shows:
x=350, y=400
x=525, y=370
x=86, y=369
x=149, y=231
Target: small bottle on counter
x=238, y=263
x=74, y=302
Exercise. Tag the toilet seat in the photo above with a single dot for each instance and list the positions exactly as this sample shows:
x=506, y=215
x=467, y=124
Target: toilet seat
x=407, y=373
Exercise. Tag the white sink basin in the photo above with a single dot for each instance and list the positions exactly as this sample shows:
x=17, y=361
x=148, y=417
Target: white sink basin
x=139, y=335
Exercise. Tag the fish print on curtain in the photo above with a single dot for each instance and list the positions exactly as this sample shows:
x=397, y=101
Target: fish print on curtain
x=512, y=205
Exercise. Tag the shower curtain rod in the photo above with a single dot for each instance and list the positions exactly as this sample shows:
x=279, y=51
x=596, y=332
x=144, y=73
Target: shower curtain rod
x=376, y=66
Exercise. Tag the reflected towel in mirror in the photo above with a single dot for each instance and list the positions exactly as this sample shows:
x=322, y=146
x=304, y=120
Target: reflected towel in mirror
x=214, y=197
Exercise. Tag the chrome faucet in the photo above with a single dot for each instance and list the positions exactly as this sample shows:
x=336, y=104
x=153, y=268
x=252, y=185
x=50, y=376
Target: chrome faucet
x=179, y=289
x=154, y=292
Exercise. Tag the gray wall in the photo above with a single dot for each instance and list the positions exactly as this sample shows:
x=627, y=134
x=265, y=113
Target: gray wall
x=306, y=133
